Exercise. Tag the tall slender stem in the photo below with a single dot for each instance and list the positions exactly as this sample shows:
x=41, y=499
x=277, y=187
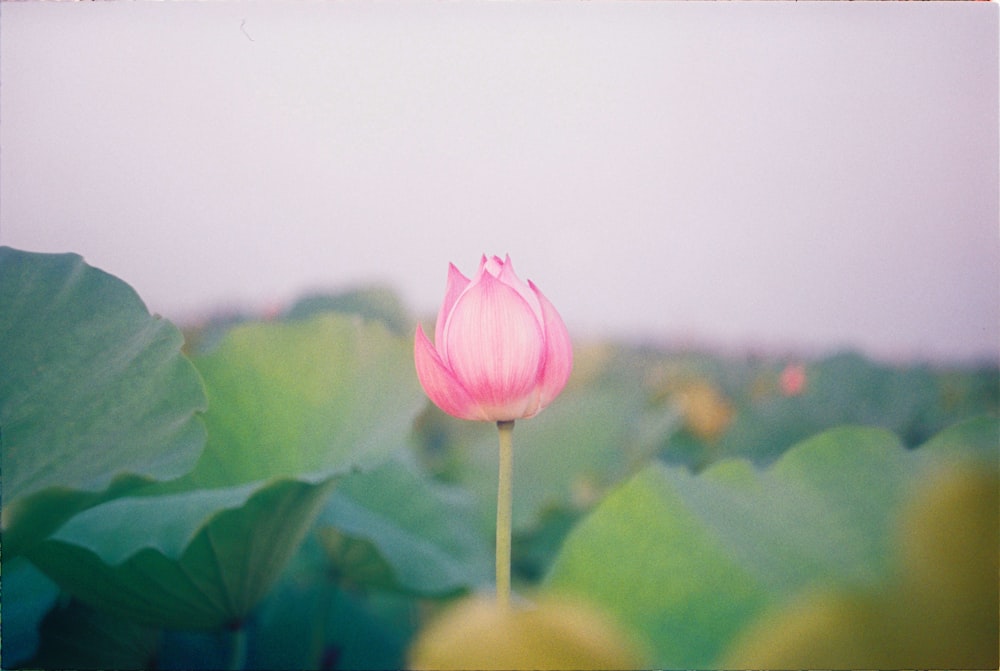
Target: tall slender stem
x=505, y=488
x=238, y=646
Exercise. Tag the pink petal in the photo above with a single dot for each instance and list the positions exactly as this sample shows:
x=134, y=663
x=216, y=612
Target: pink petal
x=441, y=386
x=494, y=343
x=457, y=282
x=491, y=265
x=558, y=362
x=510, y=278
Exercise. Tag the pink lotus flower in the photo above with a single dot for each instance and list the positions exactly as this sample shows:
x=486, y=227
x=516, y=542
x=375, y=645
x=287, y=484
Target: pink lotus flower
x=501, y=350
x=793, y=379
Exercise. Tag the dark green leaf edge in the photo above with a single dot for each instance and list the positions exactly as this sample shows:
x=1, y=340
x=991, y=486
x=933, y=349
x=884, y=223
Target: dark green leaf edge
x=192, y=590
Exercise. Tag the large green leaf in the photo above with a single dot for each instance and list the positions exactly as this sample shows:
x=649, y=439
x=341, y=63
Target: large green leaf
x=818, y=512
x=304, y=399
x=394, y=528
x=218, y=577
x=687, y=560
x=293, y=407
x=167, y=523
x=95, y=396
x=651, y=563
x=976, y=437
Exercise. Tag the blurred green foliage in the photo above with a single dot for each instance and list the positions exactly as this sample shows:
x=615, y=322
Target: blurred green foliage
x=278, y=493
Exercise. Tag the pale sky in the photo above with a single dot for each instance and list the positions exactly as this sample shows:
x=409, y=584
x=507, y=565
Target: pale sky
x=811, y=176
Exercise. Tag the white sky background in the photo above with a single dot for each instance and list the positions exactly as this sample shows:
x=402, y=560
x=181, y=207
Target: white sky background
x=782, y=175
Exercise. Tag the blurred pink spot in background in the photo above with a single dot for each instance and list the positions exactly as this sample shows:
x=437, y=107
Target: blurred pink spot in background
x=793, y=379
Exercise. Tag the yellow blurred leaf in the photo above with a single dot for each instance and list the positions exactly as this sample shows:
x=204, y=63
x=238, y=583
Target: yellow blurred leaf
x=478, y=633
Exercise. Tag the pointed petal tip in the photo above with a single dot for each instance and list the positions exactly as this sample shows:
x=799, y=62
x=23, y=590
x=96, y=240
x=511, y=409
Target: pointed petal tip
x=455, y=274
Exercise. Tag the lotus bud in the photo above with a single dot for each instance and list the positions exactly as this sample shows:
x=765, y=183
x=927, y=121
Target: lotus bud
x=501, y=352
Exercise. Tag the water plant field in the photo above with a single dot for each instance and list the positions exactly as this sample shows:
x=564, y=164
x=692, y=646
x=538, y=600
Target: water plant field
x=279, y=493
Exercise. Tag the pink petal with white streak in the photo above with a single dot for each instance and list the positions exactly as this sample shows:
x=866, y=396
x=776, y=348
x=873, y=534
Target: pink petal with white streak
x=558, y=361
x=455, y=285
x=494, y=343
x=441, y=386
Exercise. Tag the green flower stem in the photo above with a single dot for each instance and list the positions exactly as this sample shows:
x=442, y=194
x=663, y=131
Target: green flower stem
x=238, y=647
x=504, y=502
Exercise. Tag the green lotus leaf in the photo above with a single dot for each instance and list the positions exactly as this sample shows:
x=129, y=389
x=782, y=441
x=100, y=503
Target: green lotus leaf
x=292, y=408
x=647, y=560
x=393, y=528
x=95, y=395
x=167, y=523
x=219, y=575
x=687, y=560
x=304, y=399
x=976, y=437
